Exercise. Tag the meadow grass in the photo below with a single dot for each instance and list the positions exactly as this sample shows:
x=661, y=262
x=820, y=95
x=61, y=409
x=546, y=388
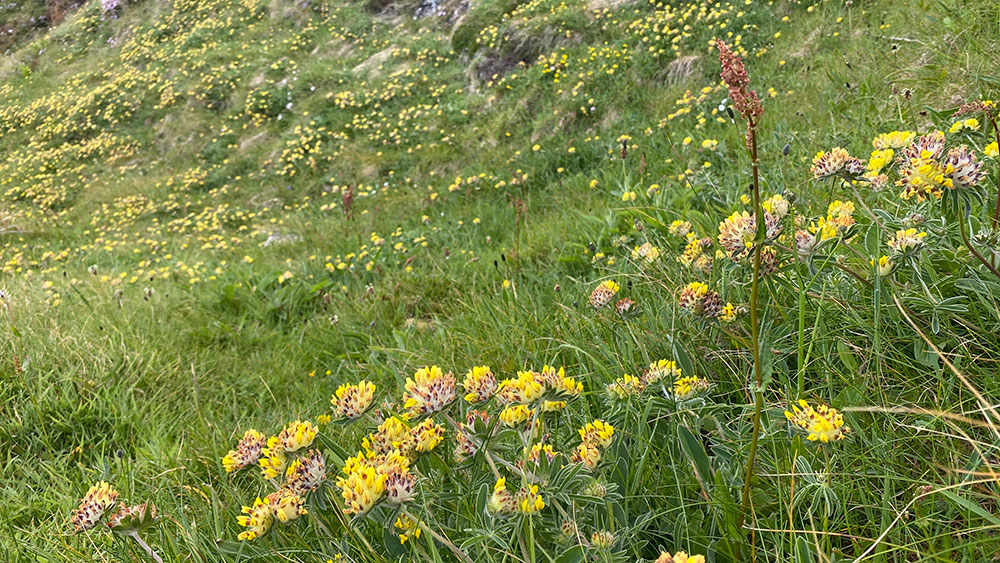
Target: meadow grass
x=233, y=287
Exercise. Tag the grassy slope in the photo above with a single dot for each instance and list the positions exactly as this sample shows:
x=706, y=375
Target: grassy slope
x=151, y=391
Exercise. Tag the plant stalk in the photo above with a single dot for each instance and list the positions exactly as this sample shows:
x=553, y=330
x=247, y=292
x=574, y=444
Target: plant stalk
x=996, y=209
x=755, y=325
x=135, y=536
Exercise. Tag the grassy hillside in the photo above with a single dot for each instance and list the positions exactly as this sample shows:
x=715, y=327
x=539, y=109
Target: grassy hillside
x=214, y=214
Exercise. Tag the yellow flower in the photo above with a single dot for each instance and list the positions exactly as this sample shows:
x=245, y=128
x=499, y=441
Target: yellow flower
x=628, y=196
x=515, y=415
x=894, y=140
x=736, y=234
x=392, y=434
x=247, y=451
x=821, y=424
x=529, y=501
x=597, y=433
x=363, y=486
x=885, y=265
x=879, y=159
x=603, y=293
x=625, y=387
x=971, y=123
x=286, y=505
x=646, y=252
x=906, y=240
x=272, y=461
x=991, y=150
x=679, y=228
x=709, y=144
x=351, y=401
x=688, y=387
x=500, y=501
x=480, y=384
x=679, y=557
x=257, y=519
x=407, y=528
x=427, y=435
x=297, y=435
x=99, y=498
x=587, y=454
x=526, y=388
x=428, y=391
x=660, y=369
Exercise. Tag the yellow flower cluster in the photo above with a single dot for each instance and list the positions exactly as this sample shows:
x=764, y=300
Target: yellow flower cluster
x=352, y=401
x=604, y=293
x=526, y=501
x=822, y=423
x=95, y=503
x=428, y=391
x=480, y=384
x=625, y=387
x=689, y=387
x=247, y=451
x=679, y=557
x=594, y=437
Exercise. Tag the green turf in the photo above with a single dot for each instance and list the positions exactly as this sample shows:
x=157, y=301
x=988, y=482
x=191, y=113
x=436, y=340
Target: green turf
x=196, y=154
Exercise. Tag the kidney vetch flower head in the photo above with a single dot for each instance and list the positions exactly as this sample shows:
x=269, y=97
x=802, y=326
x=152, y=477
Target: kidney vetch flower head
x=480, y=384
x=352, y=401
x=597, y=433
x=247, y=451
x=257, y=520
x=99, y=498
x=679, y=557
x=363, y=485
x=528, y=500
x=624, y=387
x=297, y=435
x=428, y=391
x=604, y=293
x=306, y=473
x=689, y=387
x=285, y=505
x=821, y=424
x=907, y=241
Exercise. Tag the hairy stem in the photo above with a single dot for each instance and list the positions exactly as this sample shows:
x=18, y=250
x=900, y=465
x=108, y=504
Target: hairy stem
x=135, y=536
x=980, y=257
x=996, y=209
x=758, y=398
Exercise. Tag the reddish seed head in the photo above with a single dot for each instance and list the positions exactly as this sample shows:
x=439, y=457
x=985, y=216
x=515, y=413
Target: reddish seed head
x=735, y=76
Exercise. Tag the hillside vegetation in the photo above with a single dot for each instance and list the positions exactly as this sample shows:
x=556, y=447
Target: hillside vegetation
x=220, y=216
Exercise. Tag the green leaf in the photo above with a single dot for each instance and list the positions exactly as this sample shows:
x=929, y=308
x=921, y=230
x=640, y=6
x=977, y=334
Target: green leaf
x=847, y=357
x=484, y=494
x=803, y=551
x=695, y=450
x=571, y=555
x=687, y=368
x=967, y=504
x=391, y=542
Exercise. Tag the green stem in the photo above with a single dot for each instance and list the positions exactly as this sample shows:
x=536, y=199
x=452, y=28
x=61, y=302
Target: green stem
x=135, y=536
x=802, y=332
x=965, y=239
x=996, y=209
x=531, y=540
x=755, y=326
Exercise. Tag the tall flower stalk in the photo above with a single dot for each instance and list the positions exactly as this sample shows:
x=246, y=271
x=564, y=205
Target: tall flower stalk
x=748, y=105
